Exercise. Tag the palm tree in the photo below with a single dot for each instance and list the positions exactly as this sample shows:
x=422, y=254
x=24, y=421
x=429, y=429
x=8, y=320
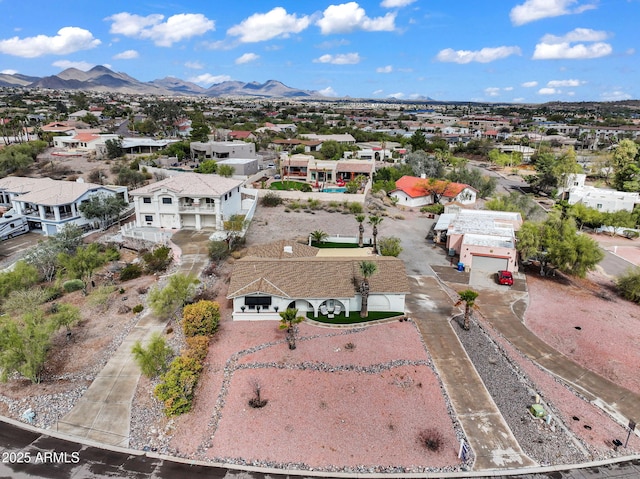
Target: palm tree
x=360, y=219
x=367, y=269
x=375, y=221
x=318, y=236
x=289, y=320
x=468, y=297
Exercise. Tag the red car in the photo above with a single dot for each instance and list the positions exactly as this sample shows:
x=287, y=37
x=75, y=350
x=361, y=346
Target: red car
x=505, y=277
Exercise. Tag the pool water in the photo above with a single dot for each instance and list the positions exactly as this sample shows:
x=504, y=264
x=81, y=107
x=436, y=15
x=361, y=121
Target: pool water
x=334, y=190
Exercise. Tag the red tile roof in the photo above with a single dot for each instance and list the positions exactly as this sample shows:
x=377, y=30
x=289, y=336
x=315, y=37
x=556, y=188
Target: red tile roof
x=240, y=134
x=416, y=187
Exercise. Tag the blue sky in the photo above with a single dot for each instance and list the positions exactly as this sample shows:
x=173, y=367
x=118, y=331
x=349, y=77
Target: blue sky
x=466, y=50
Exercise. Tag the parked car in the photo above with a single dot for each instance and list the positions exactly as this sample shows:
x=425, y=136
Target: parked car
x=505, y=277
x=276, y=177
x=271, y=165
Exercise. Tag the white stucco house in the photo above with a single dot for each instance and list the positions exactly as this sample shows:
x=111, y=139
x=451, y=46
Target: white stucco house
x=188, y=200
x=48, y=204
x=415, y=192
x=285, y=274
x=601, y=199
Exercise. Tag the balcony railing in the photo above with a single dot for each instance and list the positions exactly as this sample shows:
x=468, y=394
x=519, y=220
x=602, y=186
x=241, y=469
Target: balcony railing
x=207, y=207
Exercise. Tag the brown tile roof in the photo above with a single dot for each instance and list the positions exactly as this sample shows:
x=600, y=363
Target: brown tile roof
x=276, y=250
x=314, y=277
x=360, y=167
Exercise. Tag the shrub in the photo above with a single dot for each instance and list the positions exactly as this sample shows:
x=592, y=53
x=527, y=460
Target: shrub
x=355, y=208
x=271, y=199
x=389, y=246
x=431, y=439
x=158, y=260
x=200, y=318
x=218, y=250
x=197, y=347
x=436, y=209
x=152, y=359
x=101, y=297
x=629, y=285
x=137, y=308
x=131, y=271
x=178, y=385
x=73, y=285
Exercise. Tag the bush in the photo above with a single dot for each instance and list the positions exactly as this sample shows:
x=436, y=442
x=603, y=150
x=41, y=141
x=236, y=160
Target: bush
x=271, y=199
x=131, y=271
x=152, y=359
x=431, y=439
x=218, y=250
x=101, y=297
x=436, y=209
x=178, y=385
x=137, y=308
x=389, y=246
x=197, y=347
x=355, y=208
x=158, y=260
x=629, y=285
x=73, y=285
x=201, y=318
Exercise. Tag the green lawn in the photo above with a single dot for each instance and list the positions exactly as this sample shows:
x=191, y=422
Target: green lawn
x=290, y=185
x=354, y=317
x=329, y=244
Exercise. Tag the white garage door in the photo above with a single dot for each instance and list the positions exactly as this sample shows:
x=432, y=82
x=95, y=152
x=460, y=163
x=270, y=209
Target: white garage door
x=489, y=263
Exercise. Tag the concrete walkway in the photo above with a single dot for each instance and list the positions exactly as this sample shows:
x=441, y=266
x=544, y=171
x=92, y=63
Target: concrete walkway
x=103, y=414
x=492, y=441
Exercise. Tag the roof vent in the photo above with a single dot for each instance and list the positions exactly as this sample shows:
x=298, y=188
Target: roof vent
x=288, y=249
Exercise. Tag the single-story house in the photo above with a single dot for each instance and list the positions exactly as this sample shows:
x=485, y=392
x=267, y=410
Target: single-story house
x=188, y=200
x=484, y=240
x=282, y=275
x=49, y=204
x=416, y=192
x=601, y=199
x=222, y=149
x=87, y=141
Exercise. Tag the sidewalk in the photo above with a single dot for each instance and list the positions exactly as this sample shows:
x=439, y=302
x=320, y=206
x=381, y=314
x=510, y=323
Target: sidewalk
x=490, y=438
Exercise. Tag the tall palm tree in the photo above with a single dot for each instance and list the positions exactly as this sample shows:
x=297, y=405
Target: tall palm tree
x=289, y=320
x=367, y=269
x=360, y=219
x=374, y=221
x=318, y=236
x=468, y=297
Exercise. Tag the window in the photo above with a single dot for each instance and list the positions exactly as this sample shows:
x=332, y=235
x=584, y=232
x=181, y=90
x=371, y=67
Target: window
x=599, y=206
x=253, y=301
x=146, y=199
x=148, y=218
x=166, y=201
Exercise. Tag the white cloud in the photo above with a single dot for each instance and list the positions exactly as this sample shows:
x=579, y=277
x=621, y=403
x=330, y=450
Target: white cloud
x=9, y=72
x=397, y=96
x=68, y=40
x=564, y=83
x=532, y=10
x=485, y=55
x=529, y=84
x=385, y=69
x=565, y=51
x=246, y=58
x=577, y=35
x=207, y=79
x=260, y=27
x=328, y=92
x=126, y=55
x=349, y=17
x=333, y=44
x=339, y=59
x=64, y=64
x=194, y=65
x=378, y=92
x=396, y=3
x=548, y=91
x=508, y=88
x=616, y=95
x=492, y=91
x=164, y=34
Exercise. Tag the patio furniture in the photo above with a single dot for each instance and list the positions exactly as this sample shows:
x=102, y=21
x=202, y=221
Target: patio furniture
x=323, y=310
x=337, y=309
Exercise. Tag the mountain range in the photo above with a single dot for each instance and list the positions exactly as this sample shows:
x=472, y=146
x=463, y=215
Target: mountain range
x=101, y=78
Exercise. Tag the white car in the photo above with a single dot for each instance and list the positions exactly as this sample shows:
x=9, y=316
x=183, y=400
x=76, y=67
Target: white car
x=271, y=165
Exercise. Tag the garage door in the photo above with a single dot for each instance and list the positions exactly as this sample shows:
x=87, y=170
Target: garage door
x=489, y=263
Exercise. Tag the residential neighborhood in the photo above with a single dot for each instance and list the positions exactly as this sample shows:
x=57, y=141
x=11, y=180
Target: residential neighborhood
x=212, y=277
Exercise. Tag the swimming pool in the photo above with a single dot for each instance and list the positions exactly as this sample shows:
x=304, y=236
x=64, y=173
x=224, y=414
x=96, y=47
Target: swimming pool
x=334, y=190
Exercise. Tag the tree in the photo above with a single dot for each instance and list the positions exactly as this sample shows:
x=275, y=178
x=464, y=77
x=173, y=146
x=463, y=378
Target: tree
x=106, y=208
x=289, y=319
x=226, y=170
x=168, y=301
x=318, y=236
x=390, y=246
x=625, y=166
x=83, y=263
x=367, y=270
x=200, y=131
x=422, y=163
x=418, y=141
x=374, y=221
x=21, y=276
x=207, y=167
x=114, y=149
x=360, y=219
x=468, y=297
x=153, y=359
